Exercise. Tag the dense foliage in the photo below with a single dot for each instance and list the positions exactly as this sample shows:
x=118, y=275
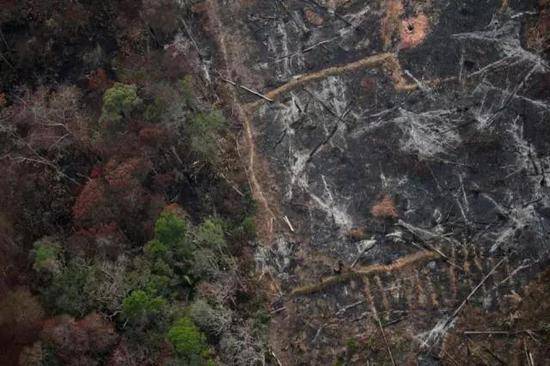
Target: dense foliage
x=122, y=234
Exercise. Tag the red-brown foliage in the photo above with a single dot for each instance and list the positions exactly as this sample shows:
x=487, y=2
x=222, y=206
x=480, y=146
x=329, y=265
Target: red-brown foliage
x=101, y=240
x=90, y=202
x=20, y=322
x=414, y=30
x=162, y=182
x=152, y=136
x=127, y=174
x=313, y=17
x=77, y=342
x=161, y=15
x=98, y=80
x=120, y=356
x=385, y=208
x=97, y=171
x=368, y=84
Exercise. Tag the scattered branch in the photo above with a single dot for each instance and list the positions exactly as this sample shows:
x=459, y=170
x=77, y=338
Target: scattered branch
x=231, y=184
x=287, y=221
x=384, y=336
x=342, y=310
x=367, y=247
x=258, y=94
x=473, y=292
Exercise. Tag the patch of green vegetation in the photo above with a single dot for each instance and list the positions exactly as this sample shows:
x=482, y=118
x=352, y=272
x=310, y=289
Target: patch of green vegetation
x=188, y=341
x=68, y=290
x=170, y=229
x=154, y=111
x=119, y=101
x=47, y=257
x=352, y=345
x=140, y=306
x=204, y=132
x=210, y=235
x=186, y=89
x=245, y=230
x=156, y=249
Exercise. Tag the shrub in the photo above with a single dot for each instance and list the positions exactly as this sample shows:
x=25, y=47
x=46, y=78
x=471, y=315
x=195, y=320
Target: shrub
x=32, y=355
x=166, y=104
x=19, y=309
x=170, y=229
x=79, y=342
x=242, y=347
x=210, y=320
x=139, y=306
x=188, y=341
x=246, y=230
x=205, y=264
x=155, y=249
x=356, y=234
x=92, y=205
x=126, y=175
x=119, y=101
x=68, y=291
x=154, y=111
x=186, y=91
x=145, y=279
x=204, y=129
x=161, y=15
x=109, y=285
x=210, y=235
x=47, y=257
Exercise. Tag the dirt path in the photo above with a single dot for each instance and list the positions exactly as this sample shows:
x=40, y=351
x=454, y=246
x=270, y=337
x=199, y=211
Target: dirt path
x=399, y=264
x=266, y=216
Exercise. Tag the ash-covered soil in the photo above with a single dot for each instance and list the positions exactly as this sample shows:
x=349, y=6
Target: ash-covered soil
x=406, y=148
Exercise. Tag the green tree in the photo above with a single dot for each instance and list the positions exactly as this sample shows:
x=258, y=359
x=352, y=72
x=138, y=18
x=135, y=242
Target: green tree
x=188, y=341
x=170, y=229
x=156, y=249
x=212, y=321
x=210, y=235
x=205, y=264
x=47, y=257
x=69, y=289
x=204, y=131
x=186, y=91
x=155, y=110
x=211, y=252
x=119, y=101
x=140, y=307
